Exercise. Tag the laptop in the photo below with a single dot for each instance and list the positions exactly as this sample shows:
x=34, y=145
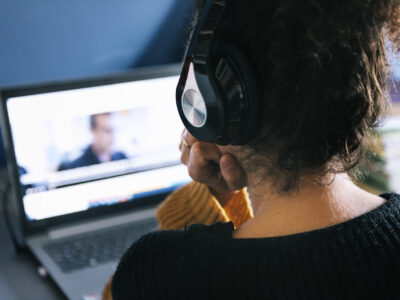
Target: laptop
x=88, y=163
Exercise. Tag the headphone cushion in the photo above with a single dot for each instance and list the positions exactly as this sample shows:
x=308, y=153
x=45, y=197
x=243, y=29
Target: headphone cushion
x=252, y=115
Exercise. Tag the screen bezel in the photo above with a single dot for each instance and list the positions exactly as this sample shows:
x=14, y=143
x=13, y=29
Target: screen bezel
x=34, y=226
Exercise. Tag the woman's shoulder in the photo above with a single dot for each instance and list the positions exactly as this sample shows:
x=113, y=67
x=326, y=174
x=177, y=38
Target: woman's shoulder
x=158, y=242
x=157, y=255
x=190, y=231
x=162, y=238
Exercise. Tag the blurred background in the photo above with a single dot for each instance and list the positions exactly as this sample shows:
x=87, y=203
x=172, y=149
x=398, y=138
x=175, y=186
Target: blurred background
x=52, y=40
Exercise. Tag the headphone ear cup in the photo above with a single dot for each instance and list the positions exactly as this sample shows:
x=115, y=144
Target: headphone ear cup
x=251, y=106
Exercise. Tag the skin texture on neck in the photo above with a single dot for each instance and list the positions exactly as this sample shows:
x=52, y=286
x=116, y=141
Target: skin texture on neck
x=312, y=207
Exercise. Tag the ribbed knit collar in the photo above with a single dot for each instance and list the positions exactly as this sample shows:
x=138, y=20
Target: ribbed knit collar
x=384, y=216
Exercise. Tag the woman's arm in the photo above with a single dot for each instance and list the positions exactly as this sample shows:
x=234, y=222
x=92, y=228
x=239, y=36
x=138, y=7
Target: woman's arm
x=217, y=193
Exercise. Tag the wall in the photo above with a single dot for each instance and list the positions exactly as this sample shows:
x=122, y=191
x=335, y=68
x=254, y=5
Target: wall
x=51, y=40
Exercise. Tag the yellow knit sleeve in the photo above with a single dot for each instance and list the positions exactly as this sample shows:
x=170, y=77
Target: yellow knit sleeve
x=238, y=208
x=194, y=203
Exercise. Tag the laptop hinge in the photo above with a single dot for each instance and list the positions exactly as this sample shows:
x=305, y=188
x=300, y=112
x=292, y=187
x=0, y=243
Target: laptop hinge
x=88, y=226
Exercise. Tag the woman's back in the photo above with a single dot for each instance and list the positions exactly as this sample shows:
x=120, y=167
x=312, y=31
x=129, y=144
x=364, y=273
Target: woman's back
x=357, y=259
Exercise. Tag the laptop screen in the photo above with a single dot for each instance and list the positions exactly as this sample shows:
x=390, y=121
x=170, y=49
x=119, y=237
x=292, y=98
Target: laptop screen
x=98, y=146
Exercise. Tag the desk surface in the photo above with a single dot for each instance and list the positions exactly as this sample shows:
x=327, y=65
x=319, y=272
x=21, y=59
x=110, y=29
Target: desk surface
x=19, y=279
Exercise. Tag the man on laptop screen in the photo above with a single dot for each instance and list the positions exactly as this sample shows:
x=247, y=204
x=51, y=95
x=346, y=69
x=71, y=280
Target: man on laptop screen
x=100, y=150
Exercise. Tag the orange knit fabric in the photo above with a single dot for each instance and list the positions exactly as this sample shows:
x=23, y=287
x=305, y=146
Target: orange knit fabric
x=194, y=203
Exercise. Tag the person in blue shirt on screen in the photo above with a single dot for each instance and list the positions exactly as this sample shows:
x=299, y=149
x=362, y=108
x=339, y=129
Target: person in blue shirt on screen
x=100, y=150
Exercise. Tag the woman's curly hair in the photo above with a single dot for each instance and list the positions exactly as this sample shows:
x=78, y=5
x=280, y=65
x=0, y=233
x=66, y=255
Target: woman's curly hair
x=323, y=74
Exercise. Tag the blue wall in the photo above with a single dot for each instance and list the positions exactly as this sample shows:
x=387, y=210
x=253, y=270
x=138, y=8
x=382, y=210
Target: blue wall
x=51, y=40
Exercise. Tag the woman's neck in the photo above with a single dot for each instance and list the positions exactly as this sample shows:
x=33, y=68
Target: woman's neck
x=312, y=207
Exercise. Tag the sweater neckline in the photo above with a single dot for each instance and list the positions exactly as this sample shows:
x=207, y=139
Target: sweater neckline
x=369, y=221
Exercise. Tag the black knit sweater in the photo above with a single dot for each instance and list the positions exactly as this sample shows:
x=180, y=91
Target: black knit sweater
x=357, y=259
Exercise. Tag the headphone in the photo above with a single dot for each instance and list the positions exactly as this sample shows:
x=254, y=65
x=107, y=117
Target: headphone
x=217, y=94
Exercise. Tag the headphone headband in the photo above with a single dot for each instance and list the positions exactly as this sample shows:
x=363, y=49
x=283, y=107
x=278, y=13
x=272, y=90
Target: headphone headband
x=216, y=94
x=203, y=36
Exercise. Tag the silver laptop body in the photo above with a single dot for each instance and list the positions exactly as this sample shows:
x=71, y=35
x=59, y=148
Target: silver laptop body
x=88, y=162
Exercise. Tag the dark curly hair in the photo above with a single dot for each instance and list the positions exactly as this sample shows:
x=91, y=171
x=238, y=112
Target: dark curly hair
x=323, y=74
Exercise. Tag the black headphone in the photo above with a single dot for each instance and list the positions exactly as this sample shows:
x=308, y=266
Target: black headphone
x=217, y=94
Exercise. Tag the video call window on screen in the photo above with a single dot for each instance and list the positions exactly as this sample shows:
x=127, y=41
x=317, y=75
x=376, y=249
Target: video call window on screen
x=98, y=145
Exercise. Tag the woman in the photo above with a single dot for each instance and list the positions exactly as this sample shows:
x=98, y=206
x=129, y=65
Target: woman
x=302, y=229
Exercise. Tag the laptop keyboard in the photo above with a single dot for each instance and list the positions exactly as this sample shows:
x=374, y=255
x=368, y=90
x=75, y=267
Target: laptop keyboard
x=98, y=247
